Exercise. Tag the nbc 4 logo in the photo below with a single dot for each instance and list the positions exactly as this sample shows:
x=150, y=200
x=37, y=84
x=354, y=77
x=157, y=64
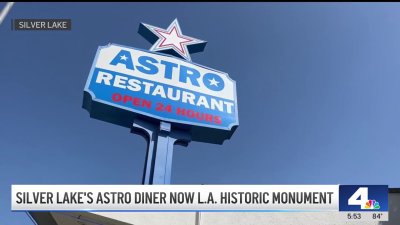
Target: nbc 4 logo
x=360, y=197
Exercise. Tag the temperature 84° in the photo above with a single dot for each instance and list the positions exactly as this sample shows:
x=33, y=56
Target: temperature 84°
x=376, y=216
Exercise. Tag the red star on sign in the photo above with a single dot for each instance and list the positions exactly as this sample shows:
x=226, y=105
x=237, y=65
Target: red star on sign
x=172, y=39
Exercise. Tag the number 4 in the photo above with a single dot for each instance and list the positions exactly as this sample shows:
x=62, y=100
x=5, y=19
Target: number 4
x=360, y=197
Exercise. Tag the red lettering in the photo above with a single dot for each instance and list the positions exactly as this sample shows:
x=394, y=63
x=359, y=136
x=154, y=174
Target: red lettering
x=180, y=111
x=168, y=108
x=136, y=101
x=190, y=113
x=159, y=106
x=199, y=116
x=209, y=118
x=116, y=97
x=127, y=98
x=146, y=103
x=217, y=120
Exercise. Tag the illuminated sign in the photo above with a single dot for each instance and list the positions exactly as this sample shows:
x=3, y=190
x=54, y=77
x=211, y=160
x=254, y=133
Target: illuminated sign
x=125, y=83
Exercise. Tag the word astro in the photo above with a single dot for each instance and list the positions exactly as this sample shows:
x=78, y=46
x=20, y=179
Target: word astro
x=127, y=83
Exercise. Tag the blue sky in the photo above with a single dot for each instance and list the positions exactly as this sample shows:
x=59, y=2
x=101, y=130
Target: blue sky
x=317, y=84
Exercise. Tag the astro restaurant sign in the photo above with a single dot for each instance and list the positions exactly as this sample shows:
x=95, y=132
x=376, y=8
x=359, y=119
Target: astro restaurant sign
x=162, y=84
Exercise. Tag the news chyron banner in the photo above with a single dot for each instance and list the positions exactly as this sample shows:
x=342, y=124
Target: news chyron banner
x=353, y=202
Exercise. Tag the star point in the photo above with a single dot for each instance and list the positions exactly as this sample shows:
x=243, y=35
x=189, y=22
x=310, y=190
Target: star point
x=171, y=40
x=123, y=57
x=213, y=82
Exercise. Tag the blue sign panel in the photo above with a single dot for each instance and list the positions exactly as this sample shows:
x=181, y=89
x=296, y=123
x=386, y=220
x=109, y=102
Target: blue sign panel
x=161, y=87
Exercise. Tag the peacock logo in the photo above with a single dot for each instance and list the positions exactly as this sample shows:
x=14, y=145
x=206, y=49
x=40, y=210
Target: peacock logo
x=372, y=204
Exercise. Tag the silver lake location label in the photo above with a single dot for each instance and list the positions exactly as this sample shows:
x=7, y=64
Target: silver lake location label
x=41, y=24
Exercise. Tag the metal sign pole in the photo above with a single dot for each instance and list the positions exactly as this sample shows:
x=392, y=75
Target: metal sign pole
x=160, y=143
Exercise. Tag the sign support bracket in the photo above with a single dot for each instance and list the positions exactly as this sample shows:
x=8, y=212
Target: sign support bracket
x=161, y=139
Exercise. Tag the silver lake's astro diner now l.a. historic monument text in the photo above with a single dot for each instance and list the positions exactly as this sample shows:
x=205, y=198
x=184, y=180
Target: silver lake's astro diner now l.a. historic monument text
x=162, y=94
